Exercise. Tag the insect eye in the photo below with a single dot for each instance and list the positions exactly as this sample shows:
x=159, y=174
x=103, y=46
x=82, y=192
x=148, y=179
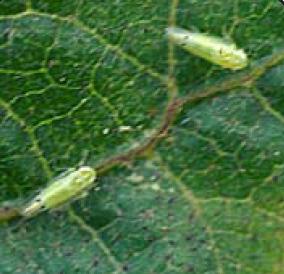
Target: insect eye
x=223, y=53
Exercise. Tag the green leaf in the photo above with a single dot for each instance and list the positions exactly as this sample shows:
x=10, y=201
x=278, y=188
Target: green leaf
x=99, y=78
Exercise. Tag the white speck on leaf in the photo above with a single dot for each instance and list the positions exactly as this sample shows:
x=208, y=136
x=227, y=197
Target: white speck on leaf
x=156, y=187
x=106, y=131
x=124, y=128
x=135, y=178
x=171, y=190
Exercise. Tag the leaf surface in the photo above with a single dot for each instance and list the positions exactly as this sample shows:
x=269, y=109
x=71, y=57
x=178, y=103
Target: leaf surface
x=90, y=81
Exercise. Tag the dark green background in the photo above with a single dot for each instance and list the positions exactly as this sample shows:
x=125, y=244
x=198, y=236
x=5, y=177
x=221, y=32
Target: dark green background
x=209, y=199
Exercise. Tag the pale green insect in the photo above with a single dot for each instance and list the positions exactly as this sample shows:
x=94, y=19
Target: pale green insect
x=66, y=187
x=213, y=49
